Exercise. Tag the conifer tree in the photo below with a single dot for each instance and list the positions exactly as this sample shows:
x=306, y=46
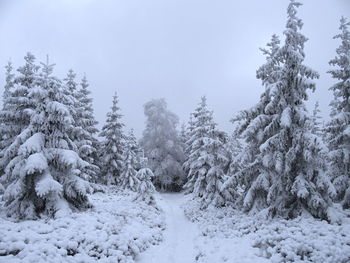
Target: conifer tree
x=253, y=126
x=145, y=188
x=162, y=146
x=17, y=106
x=288, y=174
x=43, y=175
x=112, y=146
x=316, y=123
x=88, y=146
x=128, y=176
x=338, y=129
x=206, y=160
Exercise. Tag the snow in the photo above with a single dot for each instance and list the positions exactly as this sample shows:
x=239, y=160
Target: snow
x=229, y=235
x=115, y=230
x=179, y=236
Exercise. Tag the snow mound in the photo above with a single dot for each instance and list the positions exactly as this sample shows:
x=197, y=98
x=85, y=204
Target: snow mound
x=115, y=230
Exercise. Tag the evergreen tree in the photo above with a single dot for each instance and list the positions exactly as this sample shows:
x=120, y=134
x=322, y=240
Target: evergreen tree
x=206, y=160
x=162, y=146
x=338, y=129
x=145, y=188
x=43, y=175
x=112, y=145
x=287, y=176
x=316, y=124
x=128, y=176
x=88, y=146
x=17, y=106
x=253, y=126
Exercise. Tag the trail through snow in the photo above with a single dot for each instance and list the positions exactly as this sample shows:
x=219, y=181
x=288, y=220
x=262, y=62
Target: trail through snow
x=179, y=236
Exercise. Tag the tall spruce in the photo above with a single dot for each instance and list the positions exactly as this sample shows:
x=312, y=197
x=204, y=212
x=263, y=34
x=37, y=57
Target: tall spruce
x=206, y=160
x=88, y=148
x=338, y=129
x=17, y=106
x=287, y=176
x=112, y=146
x=43, y=174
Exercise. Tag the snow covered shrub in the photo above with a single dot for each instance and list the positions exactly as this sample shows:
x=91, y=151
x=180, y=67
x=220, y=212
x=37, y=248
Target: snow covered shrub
x=145, y=189
x=206, y=161
x=284, y=170
x=338, y=129
x=112, y=146
x=43, y=173
x=304, y=240
x=162, y=146
x=117, y=229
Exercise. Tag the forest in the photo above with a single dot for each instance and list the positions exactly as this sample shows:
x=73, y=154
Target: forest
x=275, y=189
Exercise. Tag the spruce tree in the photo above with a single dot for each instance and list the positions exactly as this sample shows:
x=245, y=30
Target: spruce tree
x=289, y=176
x=338, y=129
x=145, y=189
x=162, y=146
x=43, y=174
x=316, y=124
x=17, y=106
x=206, y=160
x=253, y=126
x=112, y=146
x=128, y=176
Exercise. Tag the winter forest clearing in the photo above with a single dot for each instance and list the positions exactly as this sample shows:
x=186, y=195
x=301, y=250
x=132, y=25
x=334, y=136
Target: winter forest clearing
x=274, y=189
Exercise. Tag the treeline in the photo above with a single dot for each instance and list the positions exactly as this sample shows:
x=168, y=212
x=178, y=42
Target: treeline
x=281, y=160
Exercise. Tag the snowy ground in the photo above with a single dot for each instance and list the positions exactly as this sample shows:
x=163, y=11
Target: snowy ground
x=115, y=230
x=120, y=230
x=180, y=235
x=230, y=236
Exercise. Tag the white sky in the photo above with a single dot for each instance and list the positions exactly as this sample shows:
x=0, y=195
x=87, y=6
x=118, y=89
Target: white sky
x=175, y=49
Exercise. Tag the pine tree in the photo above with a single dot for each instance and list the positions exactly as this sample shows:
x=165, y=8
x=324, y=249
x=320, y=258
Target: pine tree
x=287, y=176
x=145, y=188
x=17, y=106
x=128, y=176
x=316, y=124
x=206, y=160
x=44, y=172
x=88, y=146
x=162, y=146
x=112, y=146
x=338, y=129
x=253, y=126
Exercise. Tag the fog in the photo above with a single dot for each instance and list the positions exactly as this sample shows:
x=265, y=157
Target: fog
x=175, y=49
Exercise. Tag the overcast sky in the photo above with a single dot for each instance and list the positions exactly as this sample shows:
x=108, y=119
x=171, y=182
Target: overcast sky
x=175, y=49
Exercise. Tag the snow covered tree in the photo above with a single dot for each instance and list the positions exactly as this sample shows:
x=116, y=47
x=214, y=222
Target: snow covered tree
x=145, y=188
x=88, y=150
x=316, y=124
x=206, y=160
x=338, y=129
x=287, y=175
x=128, y=176
x=162, y=146
x=44, y=173
x=253, y=127
x=80, y=108
x=17, y=106
x=112, y=146
x=9, y=83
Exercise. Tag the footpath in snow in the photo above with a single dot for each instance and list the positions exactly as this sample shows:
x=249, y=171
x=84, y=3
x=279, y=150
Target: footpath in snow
x=179, y=236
